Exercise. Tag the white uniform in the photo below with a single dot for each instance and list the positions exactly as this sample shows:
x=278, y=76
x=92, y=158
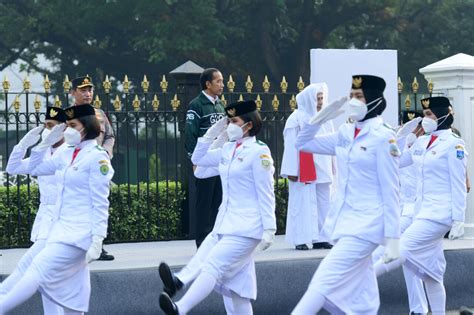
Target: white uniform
x=82, y=211
x=308, y=202
x=247, y=209
x=365, y=210
x=441, y=199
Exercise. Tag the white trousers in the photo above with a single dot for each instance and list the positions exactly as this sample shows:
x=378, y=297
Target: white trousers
x=323, y=195
x=302, y=214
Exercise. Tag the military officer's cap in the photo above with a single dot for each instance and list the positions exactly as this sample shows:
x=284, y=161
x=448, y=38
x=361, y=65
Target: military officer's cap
x=79, y=111
x=55, y=113
x=435, y=102
x=81, y=82
x=368, y=82
x=410, y=115
x=240, y=108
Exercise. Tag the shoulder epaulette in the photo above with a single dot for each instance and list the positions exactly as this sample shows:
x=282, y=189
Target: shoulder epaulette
x=455, y=135
x=261, y=143
x=99, y=148
x=388, y=126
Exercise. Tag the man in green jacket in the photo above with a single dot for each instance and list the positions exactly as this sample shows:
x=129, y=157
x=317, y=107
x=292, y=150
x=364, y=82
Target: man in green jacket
x=203, y=112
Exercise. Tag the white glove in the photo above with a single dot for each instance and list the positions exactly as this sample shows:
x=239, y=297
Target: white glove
x=216, y=129
x=457, y=230
x=329, y=112
x=220, y=141
x=96, y=248
x=408, y=128
x=267, y=239
x=392, y=250
x=30, y=138
x=54, y=136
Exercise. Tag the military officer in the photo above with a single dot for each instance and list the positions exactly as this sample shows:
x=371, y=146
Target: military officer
x=246, y=216
x=83, y=173
x=365, y=210
x=82, y=90
x=440, y=202
x=47, y=187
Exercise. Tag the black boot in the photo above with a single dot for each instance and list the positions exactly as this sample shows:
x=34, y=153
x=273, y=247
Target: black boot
x=167, y=304
x=170, y=282
x=322, y=245
x=301, y=247
x=105, y=256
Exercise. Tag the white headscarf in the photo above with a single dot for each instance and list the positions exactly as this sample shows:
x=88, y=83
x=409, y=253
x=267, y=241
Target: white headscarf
x=306, y=102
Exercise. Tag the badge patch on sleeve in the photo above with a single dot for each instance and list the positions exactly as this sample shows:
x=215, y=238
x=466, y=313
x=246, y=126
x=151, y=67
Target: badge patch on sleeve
x=104, y=167
x=394, y=151
x=460, y=152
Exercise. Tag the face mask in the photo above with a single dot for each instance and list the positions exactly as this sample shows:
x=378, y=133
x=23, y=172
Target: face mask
x=429, y=125
x=72, y=136
x=235, y=132
x=358, y=110
x=45, y=133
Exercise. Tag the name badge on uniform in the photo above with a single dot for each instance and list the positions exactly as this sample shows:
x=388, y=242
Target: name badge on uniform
x=224, y=161
x=363, y=148
x=343, y=143
x=418, y=152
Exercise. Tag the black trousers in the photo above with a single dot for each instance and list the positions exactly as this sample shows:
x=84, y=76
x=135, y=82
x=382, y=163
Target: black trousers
x=208, y=200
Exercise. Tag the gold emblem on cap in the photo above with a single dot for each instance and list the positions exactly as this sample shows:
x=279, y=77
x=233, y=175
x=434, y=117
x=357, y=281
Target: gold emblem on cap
x=53, y=113
x=411, y=116
x=86, y=81
x=425, y=103
x=69, y=113
x=357, y=82
x=231, y=112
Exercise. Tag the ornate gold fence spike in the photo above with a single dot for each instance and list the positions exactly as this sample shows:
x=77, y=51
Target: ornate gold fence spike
x=293, y=103
x=126, y=85
x=275, y=103
x=57, y=102
x=407, y=102
x=66, y=84
x=145, y=84
x=231, y=84
x=37, y=103
x=266, y=85
x=415, y=85
x=155, y=103
x=223, y=100
x=46, y=84
x=258, y=101
x=117, y=103
x=164, y=84
x=26, y=84
x=284, y=85
x=241, y=98
x=300, y=84
x=430, y=86
x=400, y=85
x=97, y=102
x=249, y=84
x=107, y=85
x=5, y=84
x=16, y=104
x=136, y=103
x=175, y=102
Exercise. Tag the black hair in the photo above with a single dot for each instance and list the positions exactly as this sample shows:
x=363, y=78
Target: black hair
x=256, y=120
x=371, y=95
x=91, y=126
x=207, y=75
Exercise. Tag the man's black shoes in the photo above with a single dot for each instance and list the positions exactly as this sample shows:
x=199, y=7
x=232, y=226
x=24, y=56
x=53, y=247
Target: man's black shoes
x=171, y=283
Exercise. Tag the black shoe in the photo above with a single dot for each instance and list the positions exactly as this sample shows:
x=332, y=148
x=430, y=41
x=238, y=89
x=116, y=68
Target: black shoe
x=105, y=256
x=322, y=245
x=466, y=311
x=170, y=282
x=301, y=247
x=167, y=304
x=413, y=313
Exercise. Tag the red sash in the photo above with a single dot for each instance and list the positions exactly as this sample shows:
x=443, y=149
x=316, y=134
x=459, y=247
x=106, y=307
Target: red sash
x=307, y=168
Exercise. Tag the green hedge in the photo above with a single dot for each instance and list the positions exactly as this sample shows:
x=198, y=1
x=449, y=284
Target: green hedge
x=146, y=213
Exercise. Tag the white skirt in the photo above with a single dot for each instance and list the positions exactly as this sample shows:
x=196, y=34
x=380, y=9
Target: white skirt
x=64, y=275
x=346, y=277
x=422, y=246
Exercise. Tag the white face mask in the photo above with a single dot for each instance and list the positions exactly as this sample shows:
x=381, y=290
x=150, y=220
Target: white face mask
x=235, y=132
x=429, y=125
x=45, y=133
x=358, y=110
x=72, y=136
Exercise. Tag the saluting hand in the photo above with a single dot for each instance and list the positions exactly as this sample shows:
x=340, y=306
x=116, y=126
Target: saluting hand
x=329, y=112
x=30, y=138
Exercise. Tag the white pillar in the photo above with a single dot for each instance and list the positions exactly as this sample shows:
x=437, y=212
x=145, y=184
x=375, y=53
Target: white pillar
x=454, y=78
